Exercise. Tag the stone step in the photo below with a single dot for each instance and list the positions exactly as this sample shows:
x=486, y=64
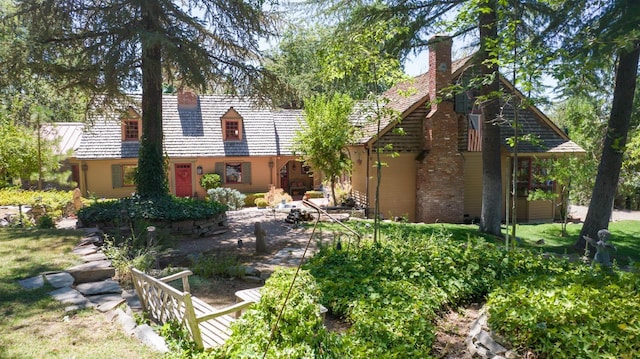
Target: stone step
x=85, y=249
x=32, y=283
x=106, y=302
x=60, y=279
x=94, y=257
x=102, y=287
x=92, y=271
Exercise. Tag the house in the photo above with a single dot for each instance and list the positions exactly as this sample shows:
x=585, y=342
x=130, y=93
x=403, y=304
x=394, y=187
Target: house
x=65, y=136
x=248, y=145
x=437, y=173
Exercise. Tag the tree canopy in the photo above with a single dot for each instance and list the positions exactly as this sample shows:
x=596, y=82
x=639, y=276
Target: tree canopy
x=326, y=131
x=112, y=48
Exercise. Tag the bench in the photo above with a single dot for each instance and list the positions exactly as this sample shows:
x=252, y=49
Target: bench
x=209, y=327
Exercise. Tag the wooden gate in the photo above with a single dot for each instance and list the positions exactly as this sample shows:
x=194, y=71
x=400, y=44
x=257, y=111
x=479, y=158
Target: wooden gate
x=183, y=180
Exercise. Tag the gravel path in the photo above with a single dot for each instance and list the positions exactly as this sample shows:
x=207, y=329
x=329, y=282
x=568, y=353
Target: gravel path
x=617, y=215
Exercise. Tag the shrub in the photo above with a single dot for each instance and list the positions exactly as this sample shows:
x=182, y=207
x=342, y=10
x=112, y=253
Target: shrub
x=126, y=254
x=582, y=313
x=230, y=197
x=300, y=332
x=275, y=196
x=380, y=288
x=155, y=208
x=314, y=194
x=261, y=203
x=53, y=201
x=210, y=181
x=250, y=200
x=45, y=222
x=218, y=264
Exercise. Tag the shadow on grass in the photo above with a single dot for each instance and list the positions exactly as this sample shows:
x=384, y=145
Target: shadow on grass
x=625, y=235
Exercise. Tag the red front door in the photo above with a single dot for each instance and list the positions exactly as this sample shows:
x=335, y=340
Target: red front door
x=183, y=180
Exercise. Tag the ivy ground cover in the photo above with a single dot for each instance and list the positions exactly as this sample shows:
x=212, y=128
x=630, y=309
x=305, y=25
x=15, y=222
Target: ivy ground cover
x=392, y=292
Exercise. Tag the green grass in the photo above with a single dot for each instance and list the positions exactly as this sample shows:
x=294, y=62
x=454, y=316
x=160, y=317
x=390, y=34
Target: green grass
x=624, y=235
x=36, y=326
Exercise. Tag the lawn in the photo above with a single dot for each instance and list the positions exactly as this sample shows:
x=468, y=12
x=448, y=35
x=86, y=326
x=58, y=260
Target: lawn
x=33, y=324
x=625, y=235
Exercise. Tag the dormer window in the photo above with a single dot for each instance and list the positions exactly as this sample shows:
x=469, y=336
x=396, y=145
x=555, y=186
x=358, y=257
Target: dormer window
x=231, y=130
x=232, y=126
x=131, y=126
x=131, y=130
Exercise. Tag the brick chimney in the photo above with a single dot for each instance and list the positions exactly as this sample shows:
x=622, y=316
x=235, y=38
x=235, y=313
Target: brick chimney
x=439, y=66
x=440, y=169
x=187, y=99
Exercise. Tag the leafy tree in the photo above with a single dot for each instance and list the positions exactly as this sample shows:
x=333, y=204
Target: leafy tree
x=591, y=41
x=326, y=131
x=22, y=155
x=367, y=61
x=561, y=171
x=110, y=48
x=584, y=120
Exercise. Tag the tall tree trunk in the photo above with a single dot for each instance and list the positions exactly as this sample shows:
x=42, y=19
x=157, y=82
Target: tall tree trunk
x=151, y=176
x=615, y=140
x=491, y=166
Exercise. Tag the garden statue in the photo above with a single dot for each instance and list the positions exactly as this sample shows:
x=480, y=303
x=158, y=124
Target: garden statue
x=602, y=248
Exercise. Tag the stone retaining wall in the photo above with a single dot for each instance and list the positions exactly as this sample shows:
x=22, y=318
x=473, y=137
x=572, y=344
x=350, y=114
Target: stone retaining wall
x=189, y=228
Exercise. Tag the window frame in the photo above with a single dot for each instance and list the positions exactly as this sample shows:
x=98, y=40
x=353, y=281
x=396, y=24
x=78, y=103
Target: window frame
x=127, y=131
x=526, y=174
x=229, y=136
x=124, y=169
x=238, y=167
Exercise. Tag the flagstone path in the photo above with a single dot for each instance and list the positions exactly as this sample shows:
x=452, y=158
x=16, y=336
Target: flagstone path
x=90, y=285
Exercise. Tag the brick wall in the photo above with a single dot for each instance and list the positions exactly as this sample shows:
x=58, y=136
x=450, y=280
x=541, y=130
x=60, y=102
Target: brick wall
x=440, y=175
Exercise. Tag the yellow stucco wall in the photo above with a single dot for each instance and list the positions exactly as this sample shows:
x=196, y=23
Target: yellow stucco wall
x=528, y=211
x=398, y=186
x=472, y=184
x=96, y=179
x=359, y=173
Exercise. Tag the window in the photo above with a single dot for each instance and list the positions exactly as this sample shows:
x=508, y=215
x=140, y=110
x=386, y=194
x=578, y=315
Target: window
x=128, y=175
x=233, y=172
x=530, y=176
x=123, y=175
x=131, y=130
x=231, y=123
x=232, y=130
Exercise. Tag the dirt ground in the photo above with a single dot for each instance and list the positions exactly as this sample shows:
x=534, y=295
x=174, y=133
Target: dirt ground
x=453, y=328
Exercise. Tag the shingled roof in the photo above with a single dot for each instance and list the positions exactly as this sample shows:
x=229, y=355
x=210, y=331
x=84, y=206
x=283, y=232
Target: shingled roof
x=66, y=136
x=196, y=131
x=550, y=138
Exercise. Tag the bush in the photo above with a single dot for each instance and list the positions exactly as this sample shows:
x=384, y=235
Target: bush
x=219, y=264
x=314, y=194
x=210, y=181
x=261, y=203
x=582, y=313
x=250, y=200
x=126, y=254
x=45, y=222
x=275, y=196
x=53, y=201
x=156, y=208
x=230, y=197
x=380, y=288
x=300, y=332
